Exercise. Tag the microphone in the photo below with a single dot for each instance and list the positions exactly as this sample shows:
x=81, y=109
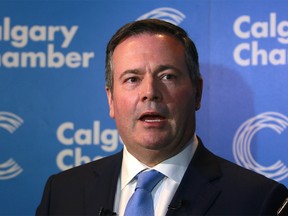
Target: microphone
x=106, y=212
x=176, y=205
x=283, y=210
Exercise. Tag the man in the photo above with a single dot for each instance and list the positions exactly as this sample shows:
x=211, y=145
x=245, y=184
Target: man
x=154, y=87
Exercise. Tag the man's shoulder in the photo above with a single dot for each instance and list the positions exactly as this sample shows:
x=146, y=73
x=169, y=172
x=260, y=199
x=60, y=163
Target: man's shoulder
x=231, y=172
x=248, y=183
x=105, y=164
x=241, y=190
x=242, y=174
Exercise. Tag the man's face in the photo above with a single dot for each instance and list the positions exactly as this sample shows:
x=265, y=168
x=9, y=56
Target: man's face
x=153, y=100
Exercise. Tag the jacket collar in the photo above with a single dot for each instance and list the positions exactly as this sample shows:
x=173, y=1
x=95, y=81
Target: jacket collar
x=100, y=191
x=196, y=192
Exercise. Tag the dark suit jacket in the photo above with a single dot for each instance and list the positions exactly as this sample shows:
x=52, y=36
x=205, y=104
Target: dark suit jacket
x=210, y=186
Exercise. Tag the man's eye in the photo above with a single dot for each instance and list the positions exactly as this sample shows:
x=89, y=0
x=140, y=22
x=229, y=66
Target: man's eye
x=168, y=77
x=132, y=79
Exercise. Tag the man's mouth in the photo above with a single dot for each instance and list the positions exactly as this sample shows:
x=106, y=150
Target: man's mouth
x=151, y=118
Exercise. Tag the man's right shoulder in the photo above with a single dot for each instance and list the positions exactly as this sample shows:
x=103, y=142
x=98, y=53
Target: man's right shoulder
x=101, y=165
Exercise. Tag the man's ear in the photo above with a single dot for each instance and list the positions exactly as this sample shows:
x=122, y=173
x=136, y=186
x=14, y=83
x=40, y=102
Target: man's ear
x=110, y=102
x=198, y=94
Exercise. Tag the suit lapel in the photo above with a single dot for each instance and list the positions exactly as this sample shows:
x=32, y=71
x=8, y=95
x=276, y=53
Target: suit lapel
x=100, y=190
x=196, y=193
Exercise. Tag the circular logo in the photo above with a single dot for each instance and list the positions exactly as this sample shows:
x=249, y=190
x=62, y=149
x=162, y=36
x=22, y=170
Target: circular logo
x=10, y=122
x=243, y=138
x=167, y=14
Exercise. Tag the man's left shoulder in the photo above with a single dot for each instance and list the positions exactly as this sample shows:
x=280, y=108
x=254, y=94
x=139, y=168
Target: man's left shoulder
x=249, y=181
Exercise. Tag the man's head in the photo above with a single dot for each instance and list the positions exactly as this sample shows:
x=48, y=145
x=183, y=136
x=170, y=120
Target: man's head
x=153, y=88
x=153, y=26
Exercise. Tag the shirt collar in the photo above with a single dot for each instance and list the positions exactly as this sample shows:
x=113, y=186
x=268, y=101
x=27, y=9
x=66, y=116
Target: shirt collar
x=174, y=167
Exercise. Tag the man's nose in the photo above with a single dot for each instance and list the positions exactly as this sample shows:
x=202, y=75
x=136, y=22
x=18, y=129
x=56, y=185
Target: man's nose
x=151, y=90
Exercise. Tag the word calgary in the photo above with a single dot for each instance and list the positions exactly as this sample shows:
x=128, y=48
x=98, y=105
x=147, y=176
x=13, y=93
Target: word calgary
x=16, y=39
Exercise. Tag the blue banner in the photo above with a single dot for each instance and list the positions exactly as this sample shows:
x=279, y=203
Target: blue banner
x=53, y=108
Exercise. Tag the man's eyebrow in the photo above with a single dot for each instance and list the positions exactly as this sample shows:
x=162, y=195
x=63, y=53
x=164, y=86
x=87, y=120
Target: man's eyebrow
x=159, y=69
x=129, y=71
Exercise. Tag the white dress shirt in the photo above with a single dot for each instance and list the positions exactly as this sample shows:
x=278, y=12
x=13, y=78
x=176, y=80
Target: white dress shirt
x=173, y=169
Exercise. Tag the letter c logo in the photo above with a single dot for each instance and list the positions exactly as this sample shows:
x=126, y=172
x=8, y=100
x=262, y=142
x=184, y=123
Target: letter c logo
x=10, y=122
x=242, y=142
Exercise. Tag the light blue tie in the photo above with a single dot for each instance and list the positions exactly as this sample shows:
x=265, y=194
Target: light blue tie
x=141, y=202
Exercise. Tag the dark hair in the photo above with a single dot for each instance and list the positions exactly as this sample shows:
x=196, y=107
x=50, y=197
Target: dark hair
x=153, y=26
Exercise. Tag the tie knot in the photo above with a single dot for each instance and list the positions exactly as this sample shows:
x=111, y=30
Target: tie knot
x=148, y=180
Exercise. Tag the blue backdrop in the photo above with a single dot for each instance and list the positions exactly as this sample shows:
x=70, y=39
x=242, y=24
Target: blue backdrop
x=53, y=108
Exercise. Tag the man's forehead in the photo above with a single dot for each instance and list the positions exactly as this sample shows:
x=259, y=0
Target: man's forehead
x=138, y=37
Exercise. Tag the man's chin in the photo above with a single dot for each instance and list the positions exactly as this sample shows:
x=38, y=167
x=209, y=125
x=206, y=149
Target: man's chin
x=154, y=147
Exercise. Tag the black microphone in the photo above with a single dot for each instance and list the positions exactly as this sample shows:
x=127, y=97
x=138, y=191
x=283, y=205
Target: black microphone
x=176, y=205
x=283, y=210
x=106, y=212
